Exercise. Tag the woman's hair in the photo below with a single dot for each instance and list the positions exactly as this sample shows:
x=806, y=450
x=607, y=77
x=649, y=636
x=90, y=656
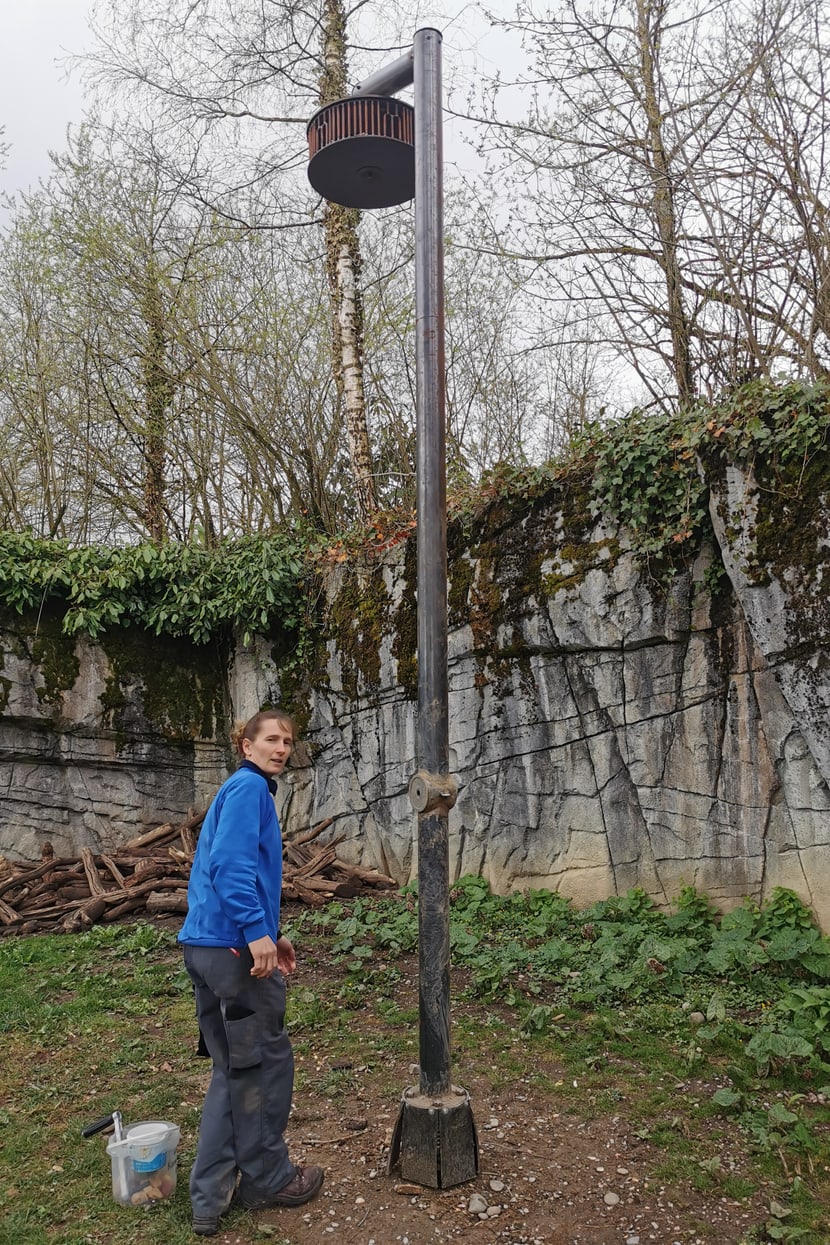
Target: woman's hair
x=250, y=729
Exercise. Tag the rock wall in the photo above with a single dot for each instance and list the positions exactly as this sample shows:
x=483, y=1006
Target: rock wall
x=100, y=742
x=610, y=726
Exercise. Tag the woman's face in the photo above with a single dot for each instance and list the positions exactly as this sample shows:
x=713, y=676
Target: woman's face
x=271, y=747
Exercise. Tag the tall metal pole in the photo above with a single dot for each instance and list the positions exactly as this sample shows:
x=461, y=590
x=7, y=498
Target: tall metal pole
x=435, y=1136
x=434, y=1139
x=433, y=729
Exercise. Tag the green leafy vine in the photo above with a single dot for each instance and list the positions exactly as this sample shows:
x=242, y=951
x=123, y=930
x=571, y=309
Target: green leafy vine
x=644, y=471
x=249, y=585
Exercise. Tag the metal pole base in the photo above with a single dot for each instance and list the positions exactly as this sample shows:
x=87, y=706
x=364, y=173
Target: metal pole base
x=434, y=1139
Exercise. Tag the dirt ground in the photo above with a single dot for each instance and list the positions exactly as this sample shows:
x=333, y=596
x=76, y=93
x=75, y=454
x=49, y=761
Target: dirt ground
x=545, y=1175
x=542, y=1178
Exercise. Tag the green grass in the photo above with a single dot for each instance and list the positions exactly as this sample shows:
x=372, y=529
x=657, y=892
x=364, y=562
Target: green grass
x=85, y=1023
x=104, y=1020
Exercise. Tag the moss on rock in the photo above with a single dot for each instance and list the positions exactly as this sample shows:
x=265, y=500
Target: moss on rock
x=39, y=639
x=358, y=616
x=56, y=658
x=405, y=625
x=181, y=687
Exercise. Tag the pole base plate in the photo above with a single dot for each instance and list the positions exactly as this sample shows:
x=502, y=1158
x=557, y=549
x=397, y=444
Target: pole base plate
x=434, y=1140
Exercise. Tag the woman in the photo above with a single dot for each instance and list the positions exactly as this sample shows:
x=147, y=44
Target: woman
x=237, y=957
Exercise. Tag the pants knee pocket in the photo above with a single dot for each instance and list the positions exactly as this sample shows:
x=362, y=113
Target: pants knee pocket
x=243, y=1033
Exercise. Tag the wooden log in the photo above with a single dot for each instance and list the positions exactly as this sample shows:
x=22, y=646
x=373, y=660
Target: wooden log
x=295, y=856
x=116, y=873
x=29, y=894
x=188, y=839
x=337, y=889
x=138, y=860
x=167, y=831
x=74, y=884
x=68, y=894
x=319, y=861
x=124, y=909
x=30, y=883
x=35, y=897
x=306, y=836
x=296, y=890
x=144, y=871
x=301, y=855
x=51, y=912
x=62, y=893
x=361, y=874
x=85, y=916
x=143, y=888
x=167, y=901
x=96, y=886
x=7, y=914
x=28, y=875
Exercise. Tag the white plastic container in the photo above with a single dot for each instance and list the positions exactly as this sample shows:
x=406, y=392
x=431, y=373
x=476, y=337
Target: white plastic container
x=144, y=1163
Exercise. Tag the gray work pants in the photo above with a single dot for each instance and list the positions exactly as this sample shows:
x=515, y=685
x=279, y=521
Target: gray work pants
x=248, y=1101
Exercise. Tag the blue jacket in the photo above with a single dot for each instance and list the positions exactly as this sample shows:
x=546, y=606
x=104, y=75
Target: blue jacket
x=235, y=884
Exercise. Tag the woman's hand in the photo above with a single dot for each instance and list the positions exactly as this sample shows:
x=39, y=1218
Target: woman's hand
x=286, y=959
x=270, y=956
x=266, y=956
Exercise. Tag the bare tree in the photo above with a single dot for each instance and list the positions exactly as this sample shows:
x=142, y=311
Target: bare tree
x=128, y=259
x=44, y=463
x=762, y=190
x=673, y=171
x=343, y=262
x=603, y=210
x=163, y=376
x=233, y=86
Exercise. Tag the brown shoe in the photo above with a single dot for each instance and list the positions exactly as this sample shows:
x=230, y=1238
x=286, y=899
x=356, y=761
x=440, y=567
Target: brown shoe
x=305, y=1184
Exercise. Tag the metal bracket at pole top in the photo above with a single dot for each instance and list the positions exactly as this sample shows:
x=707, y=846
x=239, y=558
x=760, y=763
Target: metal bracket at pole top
x=391, y=78
x=431, y=792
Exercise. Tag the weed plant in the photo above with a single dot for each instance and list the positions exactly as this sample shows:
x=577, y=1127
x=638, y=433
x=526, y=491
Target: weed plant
x=738, y=1002
x=711, y=1033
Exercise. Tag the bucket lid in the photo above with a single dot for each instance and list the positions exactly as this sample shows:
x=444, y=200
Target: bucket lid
x=148, y=1133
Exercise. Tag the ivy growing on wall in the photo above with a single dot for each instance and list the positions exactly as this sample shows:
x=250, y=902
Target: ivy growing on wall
x=250, y=585
x=779, y=424
x=646, y=476
x=644, y=471
x=648, y=468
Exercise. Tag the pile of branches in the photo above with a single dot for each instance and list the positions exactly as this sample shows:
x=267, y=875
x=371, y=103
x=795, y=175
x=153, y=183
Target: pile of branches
x=149, y=876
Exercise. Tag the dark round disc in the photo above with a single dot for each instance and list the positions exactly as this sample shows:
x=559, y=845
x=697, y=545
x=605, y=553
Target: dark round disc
x=364, y=172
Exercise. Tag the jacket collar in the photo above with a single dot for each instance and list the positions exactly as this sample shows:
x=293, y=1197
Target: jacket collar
x=272, y=782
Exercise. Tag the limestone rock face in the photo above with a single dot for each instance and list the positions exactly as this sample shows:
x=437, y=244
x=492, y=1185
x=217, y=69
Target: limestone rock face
x=609, y=727
x=786, y=601
x=606, y=730
x=98, y=746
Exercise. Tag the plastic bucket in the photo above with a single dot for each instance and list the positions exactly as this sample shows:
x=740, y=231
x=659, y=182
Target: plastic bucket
x=144, y=1163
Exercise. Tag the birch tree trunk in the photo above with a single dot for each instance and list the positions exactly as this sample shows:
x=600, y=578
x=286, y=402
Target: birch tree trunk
x=343, y=271
x=157, y=396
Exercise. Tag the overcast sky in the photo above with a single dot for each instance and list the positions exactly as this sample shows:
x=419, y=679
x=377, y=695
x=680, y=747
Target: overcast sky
x=36, y=101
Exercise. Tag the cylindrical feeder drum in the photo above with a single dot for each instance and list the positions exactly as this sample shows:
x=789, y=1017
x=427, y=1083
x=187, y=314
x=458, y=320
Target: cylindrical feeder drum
x=362, y=151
